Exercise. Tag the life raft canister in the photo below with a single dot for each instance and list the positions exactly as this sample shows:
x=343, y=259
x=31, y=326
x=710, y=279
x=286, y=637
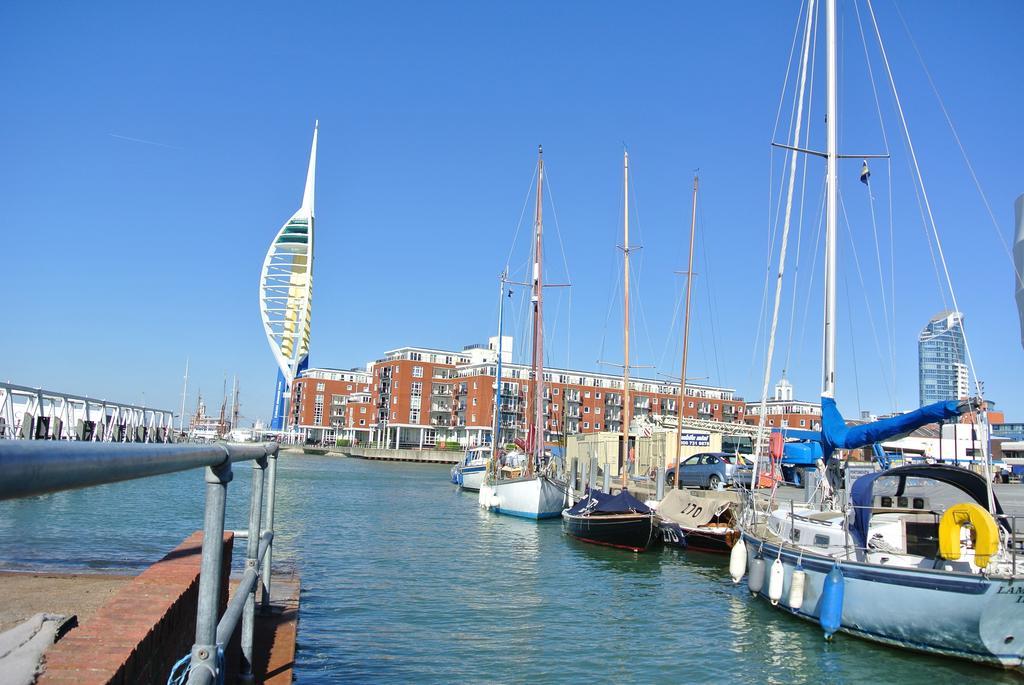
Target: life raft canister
x=984, y=532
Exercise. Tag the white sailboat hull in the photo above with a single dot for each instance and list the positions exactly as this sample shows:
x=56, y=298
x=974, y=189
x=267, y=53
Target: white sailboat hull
x=930, y=610
x=533, y=498
x=473, y=477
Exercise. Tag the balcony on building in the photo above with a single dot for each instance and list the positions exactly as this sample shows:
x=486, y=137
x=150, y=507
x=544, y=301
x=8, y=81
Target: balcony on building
x=442, y=406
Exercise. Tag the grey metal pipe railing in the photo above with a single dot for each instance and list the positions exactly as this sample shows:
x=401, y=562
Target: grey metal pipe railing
x=36, y=468
x=31, y=467
x=252, y=561
x=269, y=526
x=229, y=621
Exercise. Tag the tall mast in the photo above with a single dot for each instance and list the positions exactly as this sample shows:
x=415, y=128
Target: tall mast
x=496, y=435
x=686, y=335
x=626, y=404
x=828, y=385
x=538, y=319
x=184, y=393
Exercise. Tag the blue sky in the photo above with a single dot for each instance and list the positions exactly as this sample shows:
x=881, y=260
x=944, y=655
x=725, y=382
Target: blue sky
x=151, y=153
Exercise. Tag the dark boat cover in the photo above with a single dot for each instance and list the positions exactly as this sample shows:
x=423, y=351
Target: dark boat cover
x=597, y=502
x=861, y=494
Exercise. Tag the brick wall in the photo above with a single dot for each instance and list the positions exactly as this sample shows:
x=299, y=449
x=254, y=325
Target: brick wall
x=142, y=630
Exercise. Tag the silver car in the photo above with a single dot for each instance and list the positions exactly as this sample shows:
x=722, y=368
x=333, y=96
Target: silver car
x=711, y=469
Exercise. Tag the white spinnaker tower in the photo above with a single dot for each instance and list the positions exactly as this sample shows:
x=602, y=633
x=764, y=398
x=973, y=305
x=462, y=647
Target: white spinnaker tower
x=286, y=294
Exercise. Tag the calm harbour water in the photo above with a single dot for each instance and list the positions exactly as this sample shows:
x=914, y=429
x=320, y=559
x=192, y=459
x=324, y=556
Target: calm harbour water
x=406, y=580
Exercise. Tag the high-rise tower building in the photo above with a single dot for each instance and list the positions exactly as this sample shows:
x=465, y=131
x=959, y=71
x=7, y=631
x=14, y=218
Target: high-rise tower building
x=942, y=359
x=286, y=294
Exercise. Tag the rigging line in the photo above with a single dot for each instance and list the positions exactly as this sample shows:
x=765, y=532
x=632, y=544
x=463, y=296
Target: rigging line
x=867, y=303
x=615, y=278
x=773, y=235
x=565, y=264
x=853, y=342
x=773, y=225
x=778, y=114
x=963, y=150
x=669, y=337
x=635, y=205
x=712, y=303
x=803, y=201
x=890, y=322
x=782, y=249
x=814, y=269
x=938, y=244
x=919, y=188
x=558, y=230
x=522, y=214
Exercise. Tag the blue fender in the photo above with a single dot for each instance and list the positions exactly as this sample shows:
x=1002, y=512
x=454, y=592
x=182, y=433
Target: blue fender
x=830, y=614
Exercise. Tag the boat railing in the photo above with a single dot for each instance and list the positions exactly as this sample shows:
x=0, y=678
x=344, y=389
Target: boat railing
x=31, y=468
x=1014, y=539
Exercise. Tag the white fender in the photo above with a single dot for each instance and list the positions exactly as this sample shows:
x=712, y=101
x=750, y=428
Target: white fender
x=796, y=589
x=738, y=561
x=776, y=579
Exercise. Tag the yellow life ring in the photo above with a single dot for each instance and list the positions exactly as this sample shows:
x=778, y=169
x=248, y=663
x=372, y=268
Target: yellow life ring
x=984, y=532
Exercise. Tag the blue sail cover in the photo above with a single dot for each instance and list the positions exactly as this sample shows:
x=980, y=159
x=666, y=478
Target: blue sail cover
x=836, y=435
x=597, y=502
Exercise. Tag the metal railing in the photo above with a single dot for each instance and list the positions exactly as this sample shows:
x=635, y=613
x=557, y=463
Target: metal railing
x=29, y=468
x=39, y=414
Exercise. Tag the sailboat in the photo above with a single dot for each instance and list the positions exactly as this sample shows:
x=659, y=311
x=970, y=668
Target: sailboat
x=695, y=519
x=522, y=485
x=922, y=557
x=602, y=518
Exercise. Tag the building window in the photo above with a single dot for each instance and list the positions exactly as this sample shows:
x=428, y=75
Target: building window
x=320, y=387
x=415, y=356
x=414, y=416
x=555, y=407
x=597, y=426
x=362, y=422
x=803, y=422
x=554, y=392
x=586, y=410
x=472, y=418
x=474, y=401
x=362, y=410
x=586, y=393
x=417, y=372
x=318, y=410
x=417, y=389
x=586, y=424
x=349, y=386
x=597, y=410
x=597, y=395
x=691, y=405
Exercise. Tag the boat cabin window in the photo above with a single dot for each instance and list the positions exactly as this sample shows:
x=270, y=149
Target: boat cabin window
x=922, y=538
x=821, y=541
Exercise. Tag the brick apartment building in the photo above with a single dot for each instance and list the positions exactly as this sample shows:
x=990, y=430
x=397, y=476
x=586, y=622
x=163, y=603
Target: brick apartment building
x=419, y=397
x=782, y=411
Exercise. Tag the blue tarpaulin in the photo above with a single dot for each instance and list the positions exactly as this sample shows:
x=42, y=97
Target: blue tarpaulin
x=836, y=435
